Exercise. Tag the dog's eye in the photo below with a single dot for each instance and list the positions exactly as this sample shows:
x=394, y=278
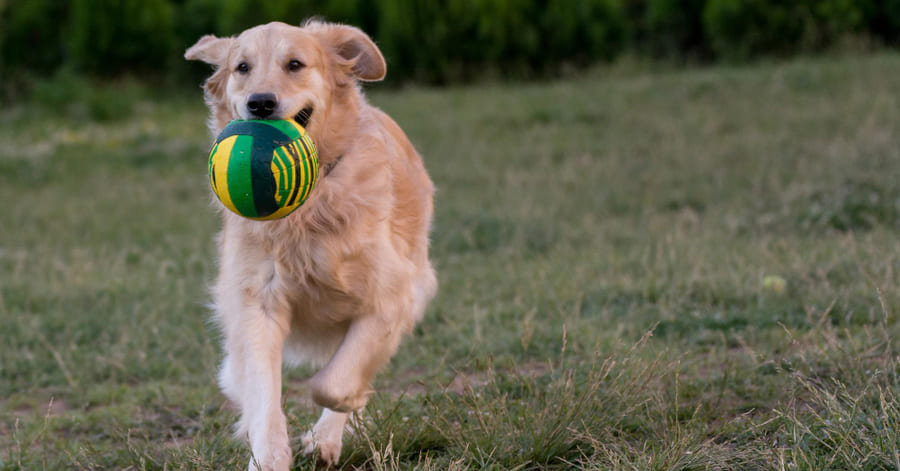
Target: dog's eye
x=294, y=65
x=243, y=68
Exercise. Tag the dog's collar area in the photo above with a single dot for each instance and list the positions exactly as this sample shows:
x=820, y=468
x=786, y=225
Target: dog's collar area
x=302, y=117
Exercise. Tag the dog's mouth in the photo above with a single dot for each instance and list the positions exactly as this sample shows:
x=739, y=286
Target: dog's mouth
x=302, y=118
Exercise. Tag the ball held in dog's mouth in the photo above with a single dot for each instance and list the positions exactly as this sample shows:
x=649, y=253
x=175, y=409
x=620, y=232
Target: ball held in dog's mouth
x=263, y=169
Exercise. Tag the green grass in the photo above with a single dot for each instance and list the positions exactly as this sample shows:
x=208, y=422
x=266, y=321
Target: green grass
x=600, y=242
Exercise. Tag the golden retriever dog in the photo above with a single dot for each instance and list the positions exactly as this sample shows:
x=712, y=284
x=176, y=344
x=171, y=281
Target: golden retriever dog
x=338, y=282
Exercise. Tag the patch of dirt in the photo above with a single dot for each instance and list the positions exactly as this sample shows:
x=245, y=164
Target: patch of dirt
x=463, y=380
x=408, y=384
x=52, y=407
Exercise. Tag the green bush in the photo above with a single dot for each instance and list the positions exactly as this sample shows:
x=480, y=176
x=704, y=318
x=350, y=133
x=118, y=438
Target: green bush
x=30, y=35
x=420, y=38
x=675, y=28
x=741, y=29
x=115, y=36
x=233, y=16
x=431, y=41
x=829, y=20
x=194, y=19
x=583, y=30
x=459, y=39
x=882, y=19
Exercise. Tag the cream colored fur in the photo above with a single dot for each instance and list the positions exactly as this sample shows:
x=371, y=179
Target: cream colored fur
x=338, y=282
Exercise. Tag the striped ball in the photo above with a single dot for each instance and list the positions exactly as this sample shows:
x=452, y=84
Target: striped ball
x=263, y=169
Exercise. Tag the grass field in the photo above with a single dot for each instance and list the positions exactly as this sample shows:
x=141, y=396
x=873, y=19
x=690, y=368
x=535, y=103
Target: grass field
x=601, y=244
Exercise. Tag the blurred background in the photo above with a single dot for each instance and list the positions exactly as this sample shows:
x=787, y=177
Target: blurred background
x=435, y=42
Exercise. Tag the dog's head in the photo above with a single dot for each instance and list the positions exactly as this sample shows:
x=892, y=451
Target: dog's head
x=278, y=71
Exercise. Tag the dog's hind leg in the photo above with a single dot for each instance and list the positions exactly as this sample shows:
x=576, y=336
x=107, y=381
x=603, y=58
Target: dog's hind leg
x=251, y=377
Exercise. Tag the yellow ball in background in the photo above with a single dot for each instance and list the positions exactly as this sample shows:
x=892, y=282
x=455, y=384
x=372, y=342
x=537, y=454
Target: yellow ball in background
x=774, y=284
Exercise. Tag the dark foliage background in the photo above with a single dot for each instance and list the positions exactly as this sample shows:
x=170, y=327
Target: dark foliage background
x=431, y=41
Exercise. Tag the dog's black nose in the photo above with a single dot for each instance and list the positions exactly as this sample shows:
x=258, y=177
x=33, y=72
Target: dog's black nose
x=262, y=104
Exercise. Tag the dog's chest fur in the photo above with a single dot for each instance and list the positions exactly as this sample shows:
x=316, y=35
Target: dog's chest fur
x=324, y=253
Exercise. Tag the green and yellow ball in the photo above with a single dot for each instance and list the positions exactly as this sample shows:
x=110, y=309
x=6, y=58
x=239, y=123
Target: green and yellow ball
x=263, y=169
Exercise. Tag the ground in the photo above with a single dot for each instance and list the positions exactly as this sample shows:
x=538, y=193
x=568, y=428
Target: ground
x=601, y=243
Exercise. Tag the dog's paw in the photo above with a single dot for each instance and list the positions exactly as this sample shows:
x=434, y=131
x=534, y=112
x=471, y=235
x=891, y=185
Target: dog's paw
x=329, y=451
x=278, y=460
x=272, y=454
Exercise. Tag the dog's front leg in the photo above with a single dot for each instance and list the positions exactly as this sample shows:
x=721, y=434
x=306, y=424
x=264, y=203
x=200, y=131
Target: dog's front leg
x=326, y=437
x=251, y=377
x=343, y=385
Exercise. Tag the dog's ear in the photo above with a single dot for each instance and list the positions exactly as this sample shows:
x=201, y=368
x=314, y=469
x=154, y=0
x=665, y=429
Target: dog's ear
x=209, y=49
x=354, y=49
x=214, y=51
